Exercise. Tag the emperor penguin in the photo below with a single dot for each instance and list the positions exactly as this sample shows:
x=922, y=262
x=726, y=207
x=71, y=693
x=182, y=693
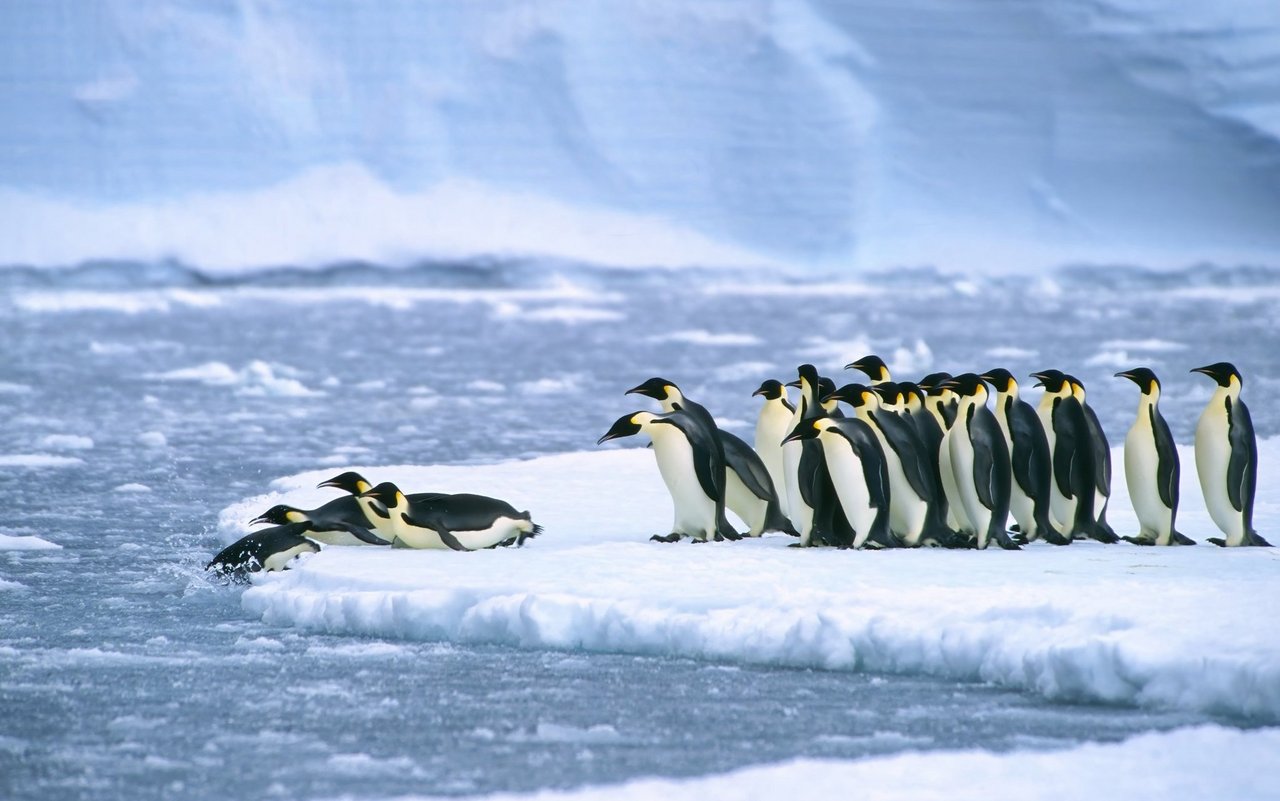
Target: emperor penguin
x=353, y=483
x=980, y=459
x=815, y=506
x=1227, y=458
x=929, y=427
x=341, y=521
x=875, y=368
x=269, y=549
x=913, y=515
x=1151, y=468
x=672, y=399
x=859, y=474
x=945, y=401
x=1072, y=490
x=772, y=426
x=749, y=491
x=683, y=450
x=1028, y=458
x=1101, y=464
x=459, y=522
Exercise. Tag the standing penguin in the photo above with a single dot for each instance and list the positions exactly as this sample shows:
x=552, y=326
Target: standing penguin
x=874, y=367
x=980, y=459
x=683, y=449
x=1072, y=491
x=772, y=426
x=1227, y=458
x=859, y=474
x=815, y=505
x=749, y=491
x=1101, y=464
x=1151, y=468
x=672, y=399
x=1028, y=457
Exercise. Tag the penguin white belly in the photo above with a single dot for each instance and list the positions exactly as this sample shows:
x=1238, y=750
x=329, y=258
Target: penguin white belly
x=336, y=537
x=499, y=531
x=695, y=513
x=281, y=559
x=851, y=486
x=1213, y=455
x=1023, y=509
x=957, y=518
x=744, y=503
x=1062, y=510
x=1141, y=468
x=771, y=428
x=419, y=537
x=962, y=463
x=797, y=510
x=907, y=512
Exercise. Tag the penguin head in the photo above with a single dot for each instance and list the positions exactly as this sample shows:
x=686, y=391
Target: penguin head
x=1001, y=380
x=888, y=392
x=1222, y=372
x=967, y=385
x=1144, y=378
x=807, y=372
x=628, y=425
x=350, y=482
x=386, y=493
x=856, y=395
x=872, y=365
x=807, y=429
x=932, y=381
x=771, y=390
x=660, y=389
x=1077, y=387
x=280, y=515
x=1053, y=381
x=911, y=395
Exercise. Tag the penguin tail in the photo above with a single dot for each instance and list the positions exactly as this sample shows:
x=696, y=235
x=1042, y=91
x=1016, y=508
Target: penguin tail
x=1254, y=538
x=534, y=530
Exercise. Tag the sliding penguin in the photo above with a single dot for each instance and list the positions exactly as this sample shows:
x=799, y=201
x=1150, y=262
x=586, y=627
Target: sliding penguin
x=874, y=367
x=859, y=474
x=772, y=426
x=1101, y=464
x=1028, y=456
x=459, y=522
x=341, y=521
x=672, y=399
x=913, y=516
x=1151, y=467
x=980, y=459
x=1227, y=458
x=1071, y=493
x=683, y=448
x=269, y=549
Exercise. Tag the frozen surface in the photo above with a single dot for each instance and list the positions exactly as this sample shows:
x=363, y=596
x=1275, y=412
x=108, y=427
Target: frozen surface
x=1206, y=762
x=962, y=133
x=1128, y=624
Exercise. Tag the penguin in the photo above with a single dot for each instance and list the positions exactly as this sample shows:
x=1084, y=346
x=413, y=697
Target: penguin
x=1029, y=459
x=749, y=491
x=859, y=474
x=890, y=397
x=269, y=549
x=1073, y=488
x=339, y=522
x=817, y=514
x=672, y=399
x=980, y=459
x=944, y=403
x=459, y=522
x=1151, y=467
x=830, y=408
x=771, y=427
x=929, y=428
x=874, y=367
x=683, y=448
x=1101, y=464
x=1227, y=458
x=913, y=515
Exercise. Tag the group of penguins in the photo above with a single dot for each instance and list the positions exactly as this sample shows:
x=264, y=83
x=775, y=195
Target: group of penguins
x=375, y=515
x=930, y=463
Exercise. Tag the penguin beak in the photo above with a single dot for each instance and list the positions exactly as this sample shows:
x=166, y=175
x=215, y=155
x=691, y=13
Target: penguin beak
x=329, y=483
x=795, y=383
x=1125, y=374
x=1204, y=371
x=623, y=427
x=803, y=431
x=257, y=521
x=759, y=391
x=1039, y=377
x=853, y=365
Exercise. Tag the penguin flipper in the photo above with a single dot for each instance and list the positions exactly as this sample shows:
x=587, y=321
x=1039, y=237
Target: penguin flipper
x=359, y=532
x=446, y=536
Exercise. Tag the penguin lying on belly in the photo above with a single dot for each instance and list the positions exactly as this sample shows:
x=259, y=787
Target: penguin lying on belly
x=270, y=549
x=459, y=522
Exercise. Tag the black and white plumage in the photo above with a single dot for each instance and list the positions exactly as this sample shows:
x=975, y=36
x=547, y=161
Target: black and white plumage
x=749, y=491
x=815, y=506
x=772, y=425
x=1073, y=489
x=1227, y=458
x=980, y=459
x=355, y=484
x=1101, y=449
x=1151, y=466
x=457, y=522
x=269, y=549
x=875, y=368
x=859, y=474
x=341, y=521
x=1029, y=460
x=684, y=450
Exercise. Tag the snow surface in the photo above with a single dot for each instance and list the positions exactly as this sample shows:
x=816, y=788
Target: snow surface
x=965, y=133
x=38, y=460
x=1188, y=628
x=8, y=542
x=1202, y=762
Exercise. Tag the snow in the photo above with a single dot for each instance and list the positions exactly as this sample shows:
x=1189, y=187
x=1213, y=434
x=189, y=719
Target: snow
x=38, y=460
x=132, y=487
x=8, y=542
x=703, y=337
x=66, y=442
x=1160, y=627
x=1201, y=762
x=971, y=134
x=255, y=378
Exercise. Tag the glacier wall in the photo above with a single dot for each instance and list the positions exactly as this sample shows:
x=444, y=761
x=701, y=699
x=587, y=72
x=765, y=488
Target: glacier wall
x=991, y=134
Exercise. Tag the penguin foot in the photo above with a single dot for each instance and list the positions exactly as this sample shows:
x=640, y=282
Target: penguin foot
x=1104, y=535
x=1139, y=540
x=672, y=537
x=1177, y=538
x=1253, y=538
x=1005, y=541
x=1218, y=541
x=1054, y=538
x=1015, y=528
